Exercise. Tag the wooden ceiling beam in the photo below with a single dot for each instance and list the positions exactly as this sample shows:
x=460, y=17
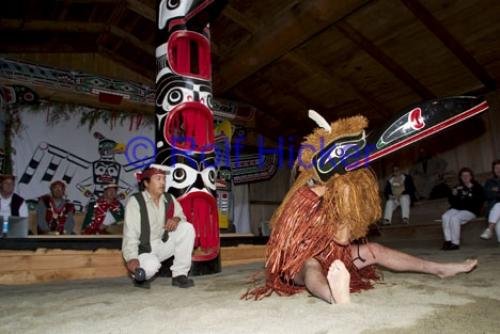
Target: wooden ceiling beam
x=439, y=30
x=113, y=29
x=44, y=48
x=288, y=31
x=65, y=10
x=249, y=24
x=76, y=26
x=281, y=84
x=90, y=1
x=252, y=26
x=93, y=14
x=288, y=124
x=113, y=20
x=130, y=27
x=142, y=9
x=383, y=59
x=45, y=25
x=146, y=73
x=338, y=81
x=128, y=37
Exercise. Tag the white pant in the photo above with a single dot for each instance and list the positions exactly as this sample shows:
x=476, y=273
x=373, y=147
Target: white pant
x=453, y=219
x=392, y=204
x=179, y=244
x=494, y=218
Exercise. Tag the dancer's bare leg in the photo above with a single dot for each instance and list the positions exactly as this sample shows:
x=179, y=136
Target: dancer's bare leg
x=374, y=253
x=339, y=280
x=331, y=289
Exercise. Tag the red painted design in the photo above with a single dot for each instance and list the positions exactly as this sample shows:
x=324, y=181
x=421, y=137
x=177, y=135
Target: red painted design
x=189, y=126
x=201, y=210
x=416, y=120
x=421, y=135
x=189, y=55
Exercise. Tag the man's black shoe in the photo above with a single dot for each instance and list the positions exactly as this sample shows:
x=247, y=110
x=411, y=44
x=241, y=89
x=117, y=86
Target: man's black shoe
x=142, y=284
x=182, y=281
x=446, y=245
x=454, y=247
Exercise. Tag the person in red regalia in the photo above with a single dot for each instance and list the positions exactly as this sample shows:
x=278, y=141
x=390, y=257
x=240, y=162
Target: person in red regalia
x=318, y=233
x=104, y=213
x=55, y=214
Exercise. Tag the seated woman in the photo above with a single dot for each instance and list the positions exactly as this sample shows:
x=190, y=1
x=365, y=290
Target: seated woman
x=492, y=194
x=466, y=201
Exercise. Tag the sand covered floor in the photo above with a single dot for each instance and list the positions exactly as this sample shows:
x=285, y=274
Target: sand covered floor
x=401, y=303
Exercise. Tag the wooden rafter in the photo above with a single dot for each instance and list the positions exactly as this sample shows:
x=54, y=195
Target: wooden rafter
x=253, y=26
x=231, y=13
x=288, y=31
x=76, y=26
x=144, y=72
x=113, y=29
x=45, y=25
x=288, y=124
x=93, y=13
x=382, y=58
x=142, y=9
x=128, y=37
x=44, y=48
x=113, y=20
x=338, y=81
x=450, y=42
x=130, y=27
x=65, y=10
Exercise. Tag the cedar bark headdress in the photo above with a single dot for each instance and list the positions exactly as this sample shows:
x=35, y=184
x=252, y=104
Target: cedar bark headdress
x=352, y=198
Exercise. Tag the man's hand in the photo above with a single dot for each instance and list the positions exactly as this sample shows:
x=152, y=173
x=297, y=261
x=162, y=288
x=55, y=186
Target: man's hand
x=172, y=223
x=132, y=265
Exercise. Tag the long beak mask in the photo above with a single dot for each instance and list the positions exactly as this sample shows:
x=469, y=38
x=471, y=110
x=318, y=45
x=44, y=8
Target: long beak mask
x=333, y=158
x=414, y=124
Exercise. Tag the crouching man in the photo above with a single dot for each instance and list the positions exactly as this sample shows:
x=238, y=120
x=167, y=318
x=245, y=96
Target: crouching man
x=155, y=228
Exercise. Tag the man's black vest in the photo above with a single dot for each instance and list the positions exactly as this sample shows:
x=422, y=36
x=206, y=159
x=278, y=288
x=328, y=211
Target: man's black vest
x=15, y=204
x=144, y=238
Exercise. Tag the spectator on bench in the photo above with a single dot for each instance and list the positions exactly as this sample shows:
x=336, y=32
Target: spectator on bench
x=399, y=191
x=11, y=204
x=105, y=213
x=492, y=194
x=466, y=201
x=54, y=212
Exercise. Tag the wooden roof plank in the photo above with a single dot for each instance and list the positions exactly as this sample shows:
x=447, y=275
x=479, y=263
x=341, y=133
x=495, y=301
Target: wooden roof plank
x=146, y=73
x=382, y=58
x=46, y=25
x=253, y=26
x=142, y=9
x=289, y=31
x=319, y=69
x=449, y=41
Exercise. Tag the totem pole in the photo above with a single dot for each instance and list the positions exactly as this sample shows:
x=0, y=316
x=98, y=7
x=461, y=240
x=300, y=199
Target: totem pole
x=184, y=115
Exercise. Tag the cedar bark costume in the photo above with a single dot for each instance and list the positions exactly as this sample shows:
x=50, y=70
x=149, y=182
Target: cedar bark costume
x=306, y=226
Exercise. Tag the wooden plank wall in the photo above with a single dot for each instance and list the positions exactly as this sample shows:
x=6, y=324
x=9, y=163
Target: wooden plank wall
x=48, y=265
x=265, y=197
